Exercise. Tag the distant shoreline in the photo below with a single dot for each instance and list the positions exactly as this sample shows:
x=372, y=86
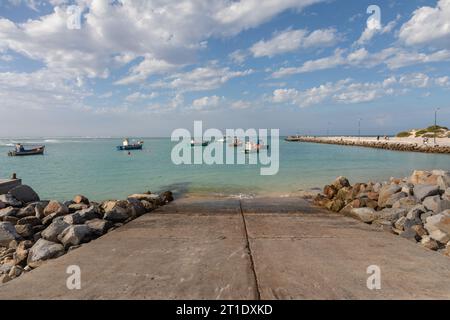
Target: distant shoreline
x=395, y=144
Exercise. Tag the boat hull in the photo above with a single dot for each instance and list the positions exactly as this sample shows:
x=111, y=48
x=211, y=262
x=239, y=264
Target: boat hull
x=130, y=147
x=31, y=152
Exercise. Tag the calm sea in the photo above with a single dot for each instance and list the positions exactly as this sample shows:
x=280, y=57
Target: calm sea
x=94, y=168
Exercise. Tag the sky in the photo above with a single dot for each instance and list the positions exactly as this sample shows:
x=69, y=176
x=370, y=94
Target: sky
x=117, y=68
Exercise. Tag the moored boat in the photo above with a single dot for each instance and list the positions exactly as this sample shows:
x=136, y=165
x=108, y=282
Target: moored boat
x=199, y=143
x=127, y=146
x=21, y=151
x=251, y=147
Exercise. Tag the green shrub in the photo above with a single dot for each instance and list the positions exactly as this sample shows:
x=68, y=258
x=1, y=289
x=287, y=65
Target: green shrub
x=421, y=132
x=403, y=134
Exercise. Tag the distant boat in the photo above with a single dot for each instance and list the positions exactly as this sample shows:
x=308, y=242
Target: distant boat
x=199, y=143
x=127, y=146
x=27, y=152
x=255, y=147
x=236, y=143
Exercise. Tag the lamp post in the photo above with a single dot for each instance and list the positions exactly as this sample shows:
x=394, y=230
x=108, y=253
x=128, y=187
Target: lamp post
x=359, y=129
x=435, y=123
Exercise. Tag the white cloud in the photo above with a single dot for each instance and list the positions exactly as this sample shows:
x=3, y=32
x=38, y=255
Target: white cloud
x=206, y=103
x=292, y=40
x=238, y=56
x=443, y=81
x=200, y=79
x=428, y=26
x=373, y=28
x=137, y=96
x=393, y=58
x=348, y=91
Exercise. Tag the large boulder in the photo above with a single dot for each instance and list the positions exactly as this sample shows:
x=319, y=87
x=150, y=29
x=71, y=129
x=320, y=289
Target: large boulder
x=416, y=212
x=330, y=191
x=8, y=233
x=21, y=254
x=392, y=214
x=75, y=235
x=341, y=182
x=439, y=221
x=386, y=192
x=116, y=211
x=52, y=232
x=153, y=198
x=136, y=207
x=436, y=204
x=8, y=212
x=89, y=213
x=166, y=196
x=389, y=203
x=10, y=200
x=421, y=191
x=81, y=199
x=28, y=211
x=366, y=215
x=24, y=230
x=73, y=219
x=55, y=207
x=24, y=193
x=43, y=250
x=99, y=226
x=32, y=220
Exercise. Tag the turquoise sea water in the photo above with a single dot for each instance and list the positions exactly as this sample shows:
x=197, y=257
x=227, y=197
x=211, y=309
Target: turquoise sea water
x=94, y=168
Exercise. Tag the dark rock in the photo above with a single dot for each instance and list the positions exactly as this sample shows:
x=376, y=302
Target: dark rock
x=166, y=196
x=44, y=250
x=32, y=220
x=28, y=211
x=394, y=198
x=75, y=235
x=386, y=192
x=89, y=213
x=24, y=230
x=136, y=207
x=52, y=232
x=74, y=207
x=99, y=226
x=7, y=212
x=81, y=199
x=341, y=182
x=7, y=233
x=24, y=194
x=22, y=250
x=11, y=219
x=410, y=234
x=115, y=211
x=421, y=191
x=73, y=219
x=10, y=200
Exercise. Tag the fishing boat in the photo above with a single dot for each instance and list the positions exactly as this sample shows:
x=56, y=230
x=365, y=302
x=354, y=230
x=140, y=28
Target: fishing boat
x=251, y=147
x=199, y=143
x=236, y=143
x=133, y=146
x=21, y=151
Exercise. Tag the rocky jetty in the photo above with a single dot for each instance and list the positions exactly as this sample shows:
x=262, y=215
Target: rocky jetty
x=416, y=208
x=33, y=231
x=382, y=144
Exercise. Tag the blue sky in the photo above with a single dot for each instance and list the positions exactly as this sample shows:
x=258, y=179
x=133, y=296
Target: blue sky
x=144, y=68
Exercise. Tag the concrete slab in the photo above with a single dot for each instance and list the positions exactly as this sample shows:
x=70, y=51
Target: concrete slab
x=160, y=256
x=318, y=257
x=197, y=249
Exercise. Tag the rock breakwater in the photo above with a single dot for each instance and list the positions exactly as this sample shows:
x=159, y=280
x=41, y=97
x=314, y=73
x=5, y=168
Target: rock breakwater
x=382, y=144
x=33, y=231
x=416, y=208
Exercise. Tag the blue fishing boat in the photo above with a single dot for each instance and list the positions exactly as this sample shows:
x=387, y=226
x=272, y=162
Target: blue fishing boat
x=133, y=146
x=21, y=151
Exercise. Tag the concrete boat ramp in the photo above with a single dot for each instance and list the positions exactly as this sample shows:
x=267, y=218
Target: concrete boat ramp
x=276, y=248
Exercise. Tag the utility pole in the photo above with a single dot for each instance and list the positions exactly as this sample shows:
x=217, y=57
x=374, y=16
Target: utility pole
x=435, y=123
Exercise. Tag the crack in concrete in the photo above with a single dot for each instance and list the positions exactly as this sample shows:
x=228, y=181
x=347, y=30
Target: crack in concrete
x=252, y=261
